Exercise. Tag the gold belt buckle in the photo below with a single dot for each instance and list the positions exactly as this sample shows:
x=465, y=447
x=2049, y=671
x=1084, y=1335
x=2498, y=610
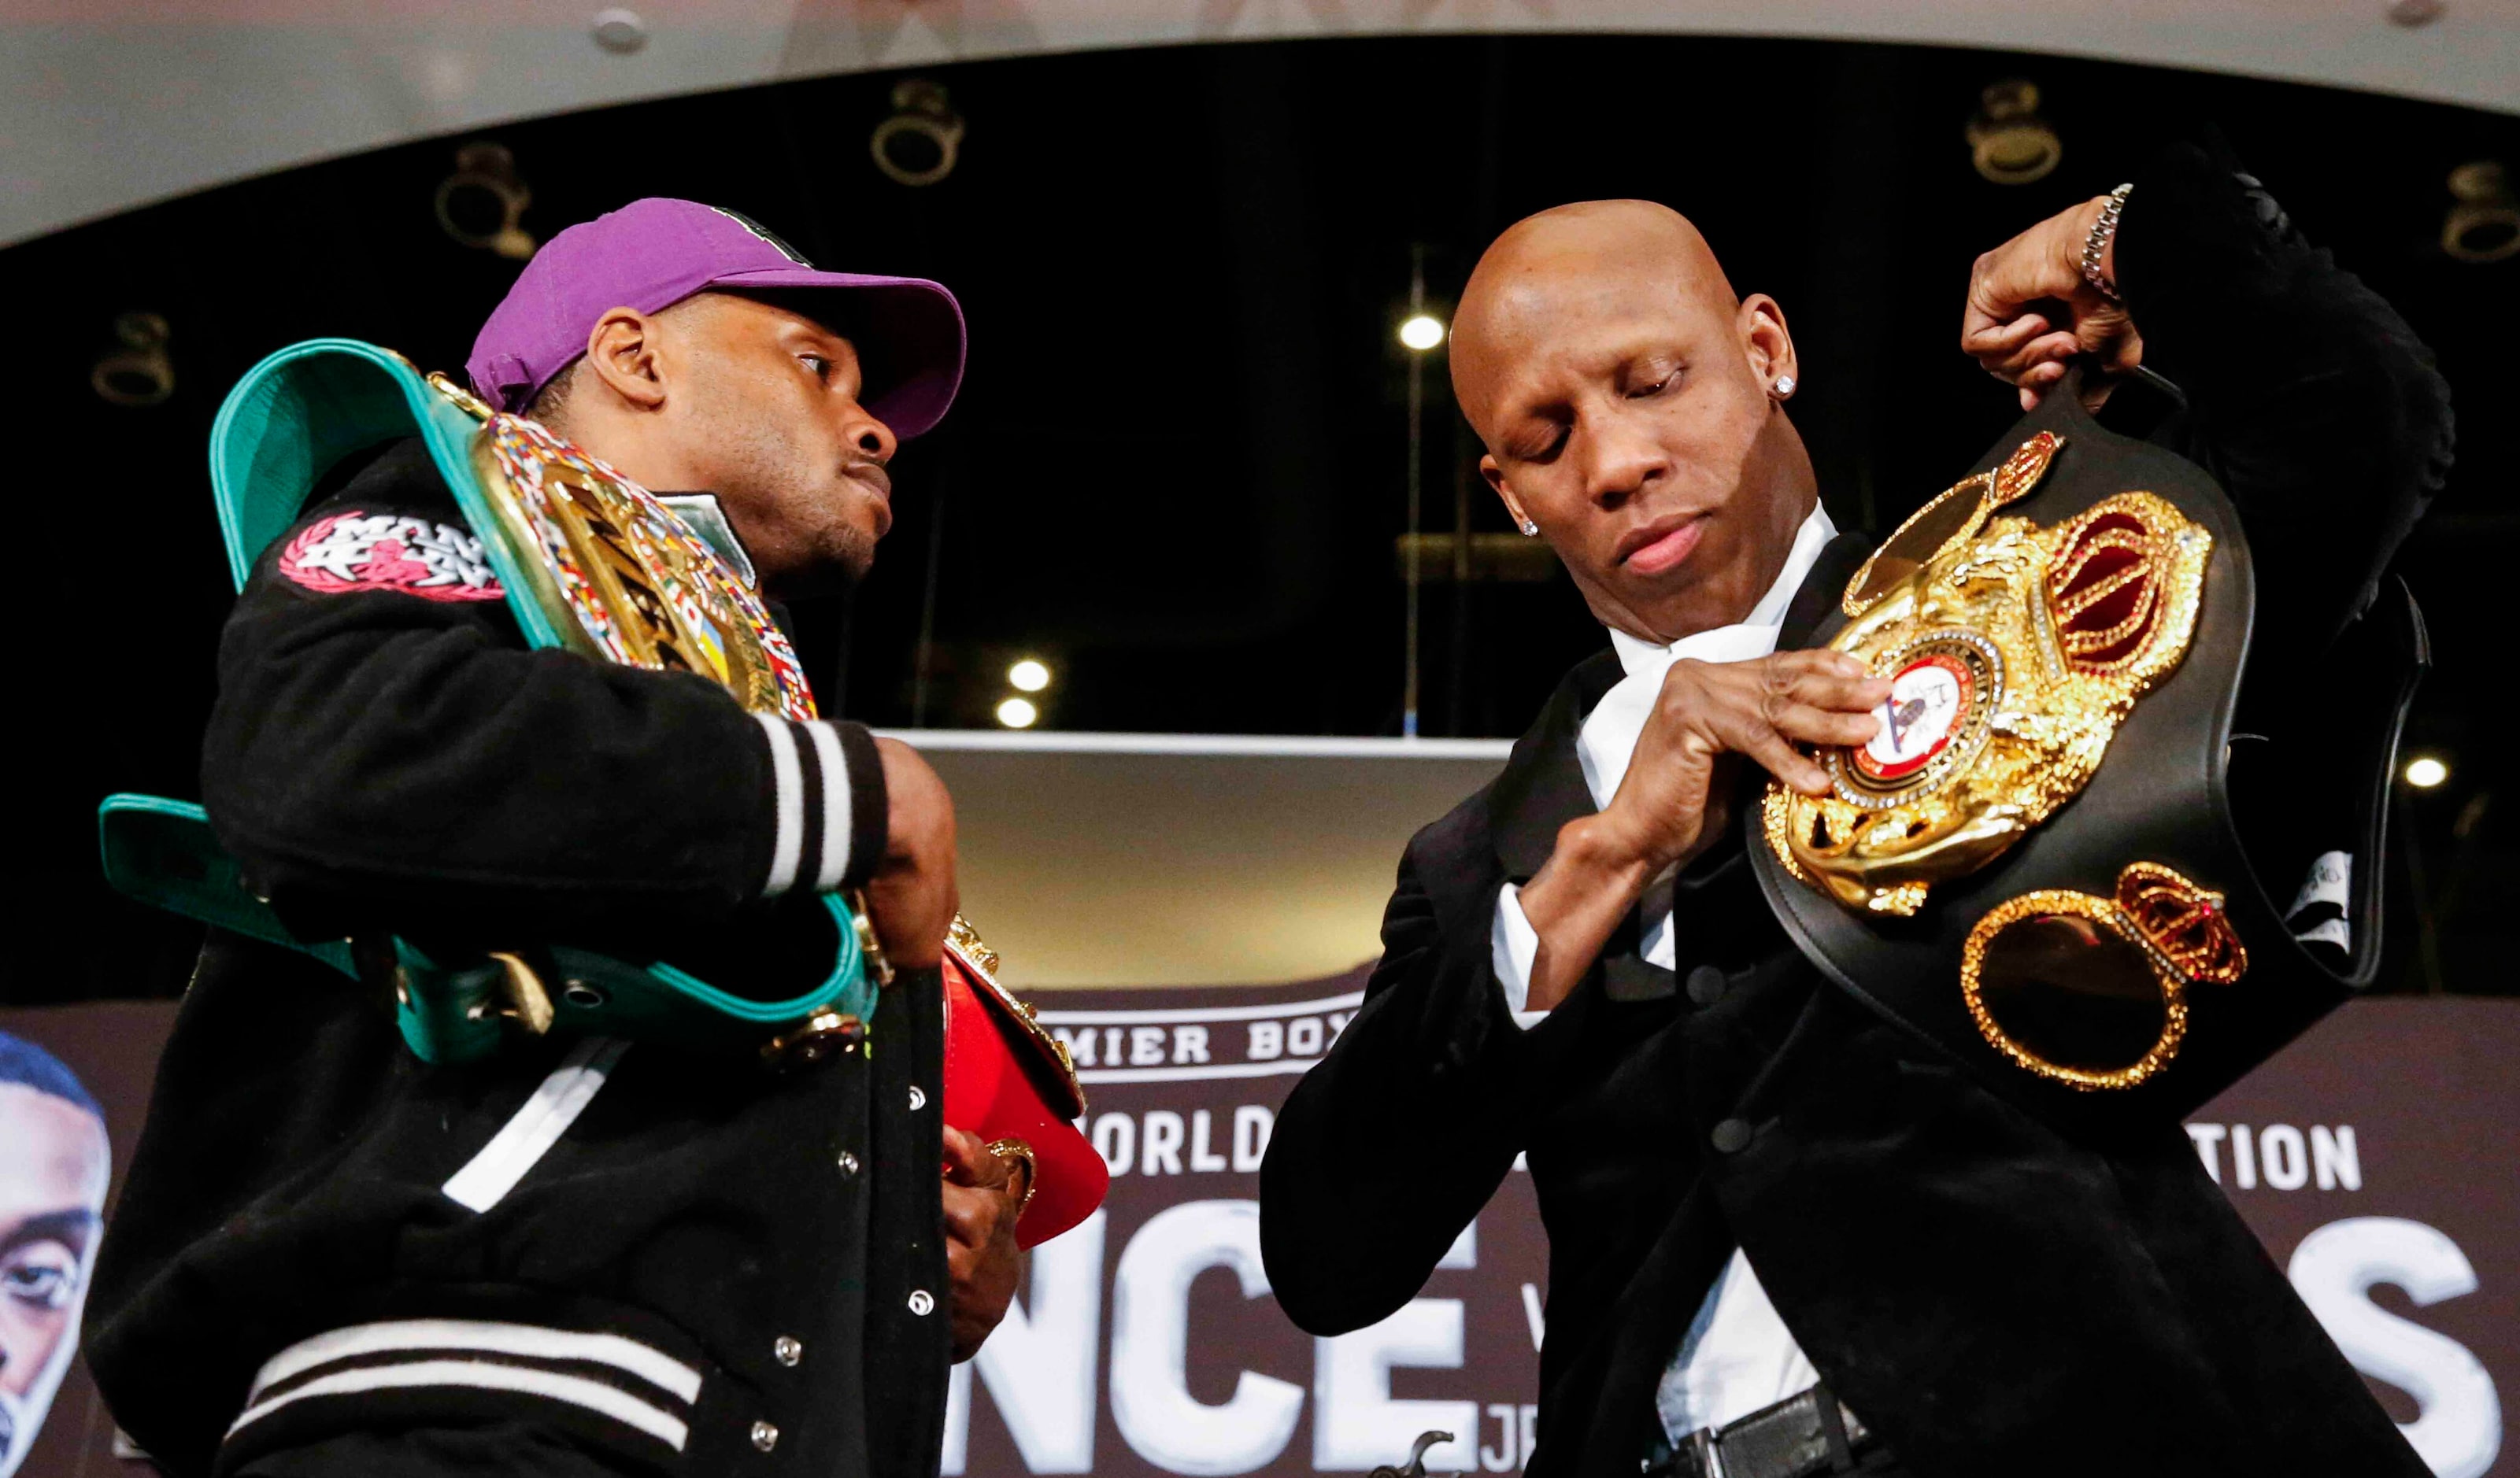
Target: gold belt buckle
x=824, y=1034
x=528, y=1004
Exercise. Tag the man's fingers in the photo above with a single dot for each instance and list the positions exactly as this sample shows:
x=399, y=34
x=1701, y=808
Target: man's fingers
x=1760, y=709
x=1814, y=661
x=2052, y=348
x=2127, y=352
x=979, y=1189
x=2026, y=269
x=2046, y=349
x=1999, y=291
x=1822, y=726
x=974, y=1214
x=1819, y=679
x=2040, y=264
x=1840, y=695
x=2041, y=376
x=963, y=1155
x=970, y=1215
x=2036, y=381
x=969, y=1161
x=1790, y=765
x=1758, y=738
x=1828, y=700
x=1981, y=337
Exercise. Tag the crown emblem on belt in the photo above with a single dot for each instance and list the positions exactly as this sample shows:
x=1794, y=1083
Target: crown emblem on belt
x=2185, y=924
x=2013, y=654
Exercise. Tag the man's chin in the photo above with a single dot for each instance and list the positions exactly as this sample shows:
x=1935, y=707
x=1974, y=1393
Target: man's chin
x=1675, y=612
x=839, y=563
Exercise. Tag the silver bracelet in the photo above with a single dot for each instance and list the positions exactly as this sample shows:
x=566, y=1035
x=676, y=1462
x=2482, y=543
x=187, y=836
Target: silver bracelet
x=2095, y=246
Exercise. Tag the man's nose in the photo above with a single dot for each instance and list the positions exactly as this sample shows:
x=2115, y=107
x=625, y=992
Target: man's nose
x=871, y=435
x=1620, y=460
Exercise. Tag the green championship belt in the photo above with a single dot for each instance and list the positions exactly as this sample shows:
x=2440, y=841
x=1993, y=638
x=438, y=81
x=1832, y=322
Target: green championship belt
x=588, y=560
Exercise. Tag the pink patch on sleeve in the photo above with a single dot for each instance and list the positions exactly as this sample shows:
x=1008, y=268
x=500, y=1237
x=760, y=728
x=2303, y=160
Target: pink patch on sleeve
x=355, y=551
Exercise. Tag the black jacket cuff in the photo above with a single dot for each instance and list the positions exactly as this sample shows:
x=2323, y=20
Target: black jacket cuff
x=2198, y=230
x=828, y=805
x=870, y=815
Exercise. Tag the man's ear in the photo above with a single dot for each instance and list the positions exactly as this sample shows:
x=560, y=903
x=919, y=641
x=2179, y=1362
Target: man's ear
x=1495, y=476
x=1765, y=342
x=622, y=351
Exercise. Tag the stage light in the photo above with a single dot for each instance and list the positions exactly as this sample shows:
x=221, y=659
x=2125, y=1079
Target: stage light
x=1422, y=331
x=482, y=201
x=2484, y=225
x=140, y=373
x=1029, y=676
x=2009, y=143
x=620, y=31
x=1017, y=713
x=920, y=143
x=2424, y=772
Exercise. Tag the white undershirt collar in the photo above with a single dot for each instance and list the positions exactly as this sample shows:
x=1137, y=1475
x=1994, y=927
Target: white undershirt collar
x=1610, y=733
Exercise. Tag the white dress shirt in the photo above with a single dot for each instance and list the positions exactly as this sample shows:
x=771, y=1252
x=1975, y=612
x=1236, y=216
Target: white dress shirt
x=1737, y=1354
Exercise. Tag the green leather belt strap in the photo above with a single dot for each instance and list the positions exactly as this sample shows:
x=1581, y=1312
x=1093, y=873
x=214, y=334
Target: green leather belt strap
x=162, y=853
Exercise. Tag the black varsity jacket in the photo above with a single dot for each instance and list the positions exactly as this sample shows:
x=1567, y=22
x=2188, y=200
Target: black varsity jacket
x=1991, y=1296
x=662, y=1261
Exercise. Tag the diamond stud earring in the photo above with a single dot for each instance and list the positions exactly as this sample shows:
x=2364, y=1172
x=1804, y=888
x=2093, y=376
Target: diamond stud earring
x=1530, y=530
x=1784, y=386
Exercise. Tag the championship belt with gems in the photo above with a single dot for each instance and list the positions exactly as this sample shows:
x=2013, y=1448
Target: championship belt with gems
x=591, y=562
x=2034, y=862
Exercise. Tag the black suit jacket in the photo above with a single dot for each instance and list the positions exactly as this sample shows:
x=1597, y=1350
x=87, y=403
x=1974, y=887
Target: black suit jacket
x=1990, y=1295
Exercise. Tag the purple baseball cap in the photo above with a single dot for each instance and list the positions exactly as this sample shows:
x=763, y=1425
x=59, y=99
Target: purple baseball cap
x=652, y=253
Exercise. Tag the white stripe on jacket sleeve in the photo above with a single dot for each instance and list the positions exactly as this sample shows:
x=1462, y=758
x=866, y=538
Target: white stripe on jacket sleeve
x=788, y=776
x=577, y=1390
x=614, y=1374
x=838, y=809
x=408, y=1336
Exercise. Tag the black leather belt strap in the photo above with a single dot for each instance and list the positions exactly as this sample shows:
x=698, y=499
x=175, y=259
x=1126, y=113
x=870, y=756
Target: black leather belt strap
x=1799, y=1437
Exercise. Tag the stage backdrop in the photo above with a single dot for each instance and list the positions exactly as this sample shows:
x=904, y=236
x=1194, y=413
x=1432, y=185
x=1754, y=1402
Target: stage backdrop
x=2377, y=1157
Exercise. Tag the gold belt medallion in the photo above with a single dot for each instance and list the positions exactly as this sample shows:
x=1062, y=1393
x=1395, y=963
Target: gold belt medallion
x=2013, y=654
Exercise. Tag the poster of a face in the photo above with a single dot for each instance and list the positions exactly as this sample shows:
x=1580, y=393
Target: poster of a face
x=54, y=1165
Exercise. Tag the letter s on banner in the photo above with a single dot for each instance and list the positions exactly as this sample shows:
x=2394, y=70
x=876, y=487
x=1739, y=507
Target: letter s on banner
x=2458, y=1425
x=1151, y=1400
x=1038, y=1365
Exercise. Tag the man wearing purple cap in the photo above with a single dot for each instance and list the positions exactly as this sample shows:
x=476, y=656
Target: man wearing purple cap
x=572, y=1256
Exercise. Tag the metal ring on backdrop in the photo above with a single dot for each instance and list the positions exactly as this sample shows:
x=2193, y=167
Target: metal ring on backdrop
x=923, y=112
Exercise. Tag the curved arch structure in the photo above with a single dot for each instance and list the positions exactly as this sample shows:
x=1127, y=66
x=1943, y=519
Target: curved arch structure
x=105, y=107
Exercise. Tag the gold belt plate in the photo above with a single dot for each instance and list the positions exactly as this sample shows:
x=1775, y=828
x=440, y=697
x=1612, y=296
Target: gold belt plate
x=2014, y=654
